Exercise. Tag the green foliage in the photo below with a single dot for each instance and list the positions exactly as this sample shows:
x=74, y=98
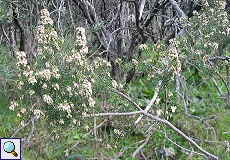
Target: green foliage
x=7, y=72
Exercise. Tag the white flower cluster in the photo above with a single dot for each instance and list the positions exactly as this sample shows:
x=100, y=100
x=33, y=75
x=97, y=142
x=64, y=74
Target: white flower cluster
x=38, y=112
x=81, y=40
x=118, y=132
x=47, y=99
x=91, y=102
x=69, y=89
x=116, y=85
x=45, y=17
x=21, y=59
x=61, y=121
x=98, y=62
x=143, y=47
x=65, y=106
x=31, y=92
x=32, y=80
x=47, y=35
x=20, y=84
x=27, y=73
x=45, y=73
x=40, y=34
x=87, y=85
x=88, y=92
x=55, y=72
x=76, y=56
x=174, y=56
x=13, y=104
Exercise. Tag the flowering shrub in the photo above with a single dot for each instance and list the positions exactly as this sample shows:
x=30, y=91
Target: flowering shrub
x=57, y=85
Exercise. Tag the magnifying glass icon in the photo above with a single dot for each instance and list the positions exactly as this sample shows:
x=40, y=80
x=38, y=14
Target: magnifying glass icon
x=9, y=147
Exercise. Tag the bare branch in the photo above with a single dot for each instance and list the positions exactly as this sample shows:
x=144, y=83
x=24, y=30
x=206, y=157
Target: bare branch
x=157, y=89
x=222, y=58
x=177, y=8
x=164, y=121
x=76, y=143
x=128, y=98
x=141, y=8
x=143, y=145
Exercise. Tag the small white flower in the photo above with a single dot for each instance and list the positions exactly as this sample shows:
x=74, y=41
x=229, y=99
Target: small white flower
x=108, y=146
x=64, y=106
x=135, y=61
x=114, y=84
x=44, y=86
x=23, y=110
x=143, y=47
x=170, y=94
x=74, y=121
x=68, y=88
x=173, y=108
x=157, y=101
x=38, y=112
x=32, y=80
x=159, y=112
x=47, y=99
x=22, y=123
x=55, y=72
x=55, y=86
x=47, y=64
x=87, y=127
x=20, y=84
x=91, y=102
x=27, y=73
x=18, y=115
x=61, y=121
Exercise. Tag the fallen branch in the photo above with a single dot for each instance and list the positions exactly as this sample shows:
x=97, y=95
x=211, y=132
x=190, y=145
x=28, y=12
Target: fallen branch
x=76, y=143
x=161, y=121
x=157, y=89
x=143, y=144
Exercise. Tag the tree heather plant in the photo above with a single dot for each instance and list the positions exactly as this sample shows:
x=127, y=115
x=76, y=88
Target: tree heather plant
x=57, y=84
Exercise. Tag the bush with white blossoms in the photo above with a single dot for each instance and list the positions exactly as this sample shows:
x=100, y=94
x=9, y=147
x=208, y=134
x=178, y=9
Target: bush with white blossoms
x=57, y=84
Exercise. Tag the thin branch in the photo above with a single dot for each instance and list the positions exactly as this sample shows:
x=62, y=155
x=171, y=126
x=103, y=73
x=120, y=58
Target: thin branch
x=143, y=145
x=128, y=98
x=35, y=118
x=157, y=89
x=76, y=143
x=221, y=77
x=228, y=85
x=5, y=35
x=181, y=134
x=184, y=149
x=115, y=114
x=217, y=86
x=222, y=58
x=177, y=8
x=31, y=133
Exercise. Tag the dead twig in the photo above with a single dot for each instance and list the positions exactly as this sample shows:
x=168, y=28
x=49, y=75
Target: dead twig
x=143, y=144
x=157, y=89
